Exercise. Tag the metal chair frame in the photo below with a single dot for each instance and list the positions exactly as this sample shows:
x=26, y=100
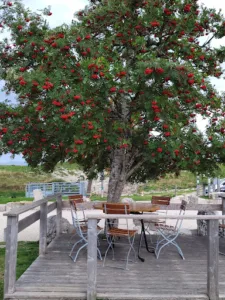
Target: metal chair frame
x=114, y=233
x=74, y=200
x=169, y=234
x=80, y=226
x=162, y=201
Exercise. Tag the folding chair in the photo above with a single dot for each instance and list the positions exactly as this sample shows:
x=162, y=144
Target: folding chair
x=168, y=234
x=114, y=233
x=80, y=225
x=77, y=197
x=151, y=225
x=162, y=201
x=73, y=200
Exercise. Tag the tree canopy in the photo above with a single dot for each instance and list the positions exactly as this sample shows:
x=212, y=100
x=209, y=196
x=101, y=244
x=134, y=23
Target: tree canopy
x=120, y=87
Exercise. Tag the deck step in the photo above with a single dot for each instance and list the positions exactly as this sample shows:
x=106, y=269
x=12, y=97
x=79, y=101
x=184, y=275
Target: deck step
x=102, y=296
x=46, y=296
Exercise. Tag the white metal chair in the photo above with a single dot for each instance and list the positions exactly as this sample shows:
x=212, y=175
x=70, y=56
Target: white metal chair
x=168, y=234
x=80, y=225
x=151, y=225
x=115, y=234
x=74, y=200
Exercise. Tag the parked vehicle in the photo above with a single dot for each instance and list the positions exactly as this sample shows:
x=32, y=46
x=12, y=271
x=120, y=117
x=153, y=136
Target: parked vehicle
x=222, y=187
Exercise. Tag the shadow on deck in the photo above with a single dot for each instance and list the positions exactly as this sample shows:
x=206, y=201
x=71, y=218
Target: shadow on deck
x=56, y=276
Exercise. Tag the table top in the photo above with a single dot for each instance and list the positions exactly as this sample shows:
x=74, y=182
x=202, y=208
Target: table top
x=150, y=208
x=143, y=210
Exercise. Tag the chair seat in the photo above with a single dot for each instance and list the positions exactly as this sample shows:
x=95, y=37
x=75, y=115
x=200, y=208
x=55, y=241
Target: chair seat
x=121, y=232
x=155, y=221
x=164, y=226
x=84, y=228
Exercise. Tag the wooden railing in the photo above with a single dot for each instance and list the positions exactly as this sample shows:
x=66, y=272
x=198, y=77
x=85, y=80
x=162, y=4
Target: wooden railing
x=14, y=226
x=213, y=248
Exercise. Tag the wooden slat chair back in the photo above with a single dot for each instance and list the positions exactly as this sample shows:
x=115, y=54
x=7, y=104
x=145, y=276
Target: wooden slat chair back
x=114, y=233
x=116, y=208
x=75, y=202
x=161, y=200
x=150, y=225
x=75, y=199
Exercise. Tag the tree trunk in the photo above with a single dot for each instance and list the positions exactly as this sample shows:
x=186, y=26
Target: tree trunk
x=117, y=177
x=89, y=186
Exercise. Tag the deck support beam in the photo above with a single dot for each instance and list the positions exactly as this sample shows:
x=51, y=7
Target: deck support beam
x=92, y=260
x=213, y=260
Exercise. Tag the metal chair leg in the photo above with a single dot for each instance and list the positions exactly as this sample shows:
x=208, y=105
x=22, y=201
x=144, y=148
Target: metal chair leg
x=78, y=251
x=107, y=250
x=165, y=242
x=80, y=241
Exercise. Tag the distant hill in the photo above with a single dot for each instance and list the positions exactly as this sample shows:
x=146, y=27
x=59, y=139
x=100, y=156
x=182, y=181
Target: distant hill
x=14, y=178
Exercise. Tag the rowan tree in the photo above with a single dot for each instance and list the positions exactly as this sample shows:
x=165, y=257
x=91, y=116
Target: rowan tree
x=120, y=88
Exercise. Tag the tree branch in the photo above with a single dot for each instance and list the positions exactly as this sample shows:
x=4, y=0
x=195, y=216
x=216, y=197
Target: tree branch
x=207, y=42
x=134, y=168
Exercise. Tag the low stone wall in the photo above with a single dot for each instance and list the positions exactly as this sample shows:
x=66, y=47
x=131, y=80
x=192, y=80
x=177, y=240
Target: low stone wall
x=51, y=228
x=2, y=207
x=202, y=225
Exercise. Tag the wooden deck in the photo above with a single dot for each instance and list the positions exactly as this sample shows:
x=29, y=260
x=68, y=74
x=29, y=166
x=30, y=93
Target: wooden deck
x=56, y=276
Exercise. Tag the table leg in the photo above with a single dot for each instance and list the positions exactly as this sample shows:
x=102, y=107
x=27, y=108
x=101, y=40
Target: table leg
x=146, y=242
x=139, y=247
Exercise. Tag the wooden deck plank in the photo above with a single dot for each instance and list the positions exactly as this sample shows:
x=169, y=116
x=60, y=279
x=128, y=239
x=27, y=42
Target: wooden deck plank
x=56, y=276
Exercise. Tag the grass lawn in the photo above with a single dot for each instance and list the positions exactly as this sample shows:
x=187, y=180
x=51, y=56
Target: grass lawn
x=13, y=196
x=27, y=253
x=145, y=197
x=18, y=196
x=14, y=178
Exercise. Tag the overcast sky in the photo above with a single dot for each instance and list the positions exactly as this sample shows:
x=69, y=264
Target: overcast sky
x=62, y=12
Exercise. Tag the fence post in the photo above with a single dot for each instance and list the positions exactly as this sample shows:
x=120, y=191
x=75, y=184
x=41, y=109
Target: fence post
x=223, y=205
x=59, y=215
x=11, y=254
x=92, y=260
x=80, y=188
x=213, y=259
x=43, y=228
x=209, y=186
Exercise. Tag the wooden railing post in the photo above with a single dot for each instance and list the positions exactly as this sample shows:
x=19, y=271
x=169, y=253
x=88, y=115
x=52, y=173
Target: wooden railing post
x=59, y=215
x=92, y=260
x=223, y=208
x=43, y=228
x=213, y=260
x=11, y=254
